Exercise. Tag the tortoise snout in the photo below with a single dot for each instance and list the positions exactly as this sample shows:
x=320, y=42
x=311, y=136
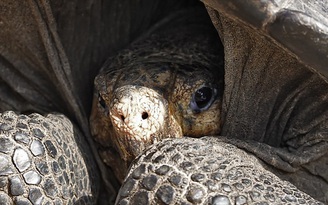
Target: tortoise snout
x=129, y=117
x=116, y=113
x=137, y=113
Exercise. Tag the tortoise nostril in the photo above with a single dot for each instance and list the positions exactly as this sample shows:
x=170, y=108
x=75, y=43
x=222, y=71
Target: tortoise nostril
x=122, y=118
x=144, y=115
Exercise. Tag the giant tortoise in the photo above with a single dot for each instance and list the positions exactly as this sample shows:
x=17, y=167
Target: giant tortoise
x=270, y=142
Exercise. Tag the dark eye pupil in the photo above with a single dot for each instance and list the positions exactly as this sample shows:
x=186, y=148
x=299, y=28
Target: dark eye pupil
x=102, y=101
x=203, y=96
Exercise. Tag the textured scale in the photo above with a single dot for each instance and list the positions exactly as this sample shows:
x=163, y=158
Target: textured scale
x=204, y=171
x=43, y=160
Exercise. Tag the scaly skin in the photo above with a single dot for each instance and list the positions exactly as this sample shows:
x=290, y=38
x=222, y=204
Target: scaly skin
x=45, y=160
x=145, y=93
x=204, y=171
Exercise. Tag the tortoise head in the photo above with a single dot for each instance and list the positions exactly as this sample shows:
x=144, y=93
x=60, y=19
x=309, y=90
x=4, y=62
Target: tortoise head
x=136, y=106
x=168, y=85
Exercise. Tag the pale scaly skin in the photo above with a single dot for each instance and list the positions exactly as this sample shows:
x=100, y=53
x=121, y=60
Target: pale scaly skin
x=145, y=93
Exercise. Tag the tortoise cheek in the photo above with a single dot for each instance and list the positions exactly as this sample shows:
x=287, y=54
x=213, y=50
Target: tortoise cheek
x=174, y=128
x=100, y=125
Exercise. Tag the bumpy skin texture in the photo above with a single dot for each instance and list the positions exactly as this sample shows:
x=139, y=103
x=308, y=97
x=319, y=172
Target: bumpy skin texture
x=145, y=93
x=44, y=160
x=204, y=171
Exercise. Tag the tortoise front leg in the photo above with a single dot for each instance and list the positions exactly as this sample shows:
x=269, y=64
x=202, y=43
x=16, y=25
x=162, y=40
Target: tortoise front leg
x=45, y=159
x=204, y=171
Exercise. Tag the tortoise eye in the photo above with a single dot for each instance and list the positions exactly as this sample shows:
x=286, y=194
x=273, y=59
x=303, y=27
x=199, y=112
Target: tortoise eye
x=202, y=99
x=102, y=102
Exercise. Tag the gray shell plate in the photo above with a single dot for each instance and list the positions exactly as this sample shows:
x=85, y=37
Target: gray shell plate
x=299, y=26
